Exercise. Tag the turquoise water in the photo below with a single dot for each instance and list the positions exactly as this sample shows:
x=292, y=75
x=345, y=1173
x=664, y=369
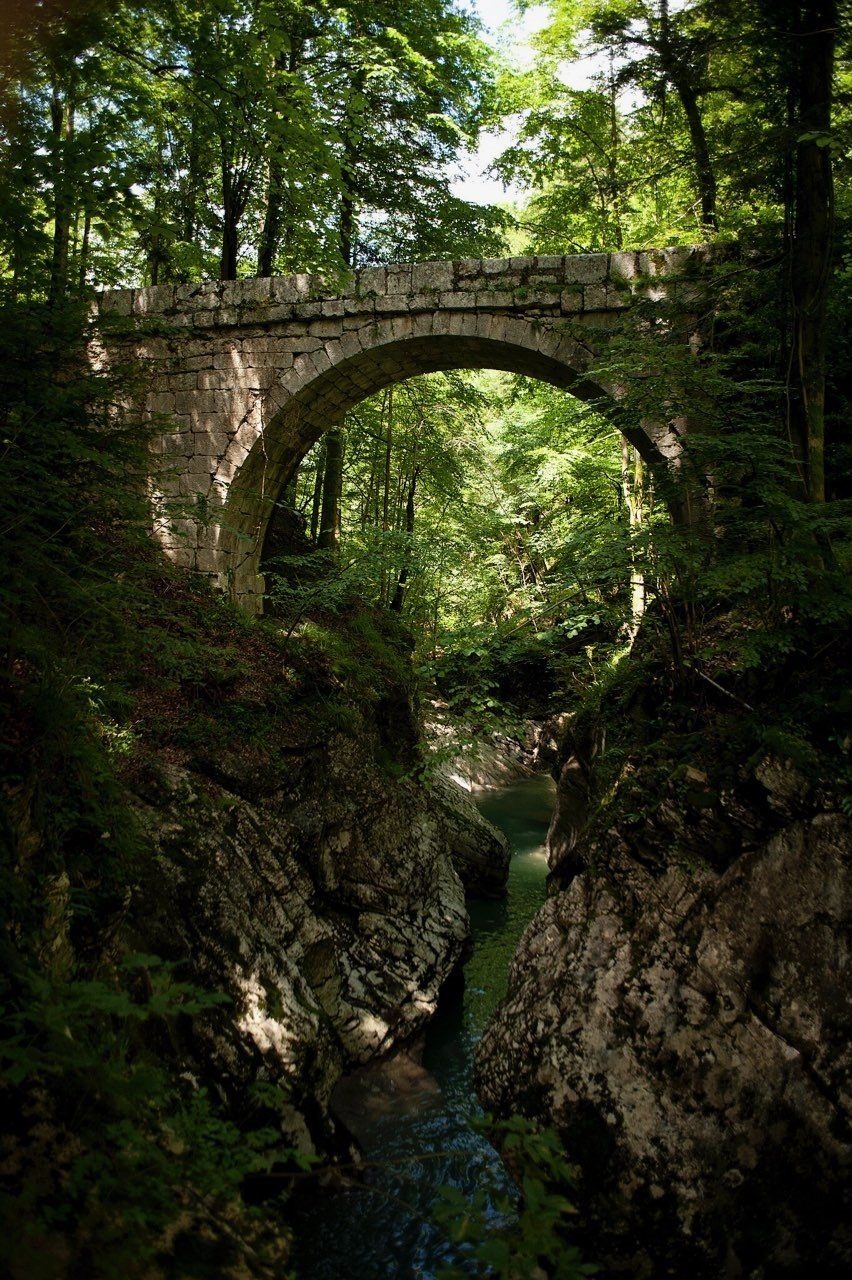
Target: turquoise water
x=417, y=1136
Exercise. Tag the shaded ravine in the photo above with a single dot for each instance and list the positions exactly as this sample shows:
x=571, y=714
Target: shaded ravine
x=413, y=1121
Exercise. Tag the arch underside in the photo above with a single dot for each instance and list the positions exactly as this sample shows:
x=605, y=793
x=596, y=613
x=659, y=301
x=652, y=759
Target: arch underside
x=292, y=427
x=291, y=431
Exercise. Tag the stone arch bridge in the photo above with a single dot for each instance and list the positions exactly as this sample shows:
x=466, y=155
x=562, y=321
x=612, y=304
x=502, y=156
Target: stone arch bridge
x=246, y=375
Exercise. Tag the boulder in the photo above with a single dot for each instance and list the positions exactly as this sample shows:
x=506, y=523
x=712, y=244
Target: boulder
x=328, y=911
x=479, y=852
x=686, y=1030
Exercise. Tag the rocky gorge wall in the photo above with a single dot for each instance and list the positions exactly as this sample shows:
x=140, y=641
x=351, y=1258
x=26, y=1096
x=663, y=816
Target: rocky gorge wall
x=326, y=903
x=679, y=1010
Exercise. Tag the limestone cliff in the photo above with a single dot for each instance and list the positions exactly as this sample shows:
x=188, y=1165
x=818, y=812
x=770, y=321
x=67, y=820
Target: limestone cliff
x=325, y=903
x=680, y=1011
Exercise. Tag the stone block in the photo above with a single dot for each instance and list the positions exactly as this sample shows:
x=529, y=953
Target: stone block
x=370, y=281
x=266, y=360
x=398, y=280
x=300, y=346
x=544, y=283
x=456, y=301
x=237, y=455
x=401, y=327
x=467, y=267
x=154, y=300
x=159, y=350
x=324, y=329
x=571, y=301
x=222, y=317
x=196, y=295
x=283, y=361
x=586, y=268
x=194, y=484
x=493, y=266
x=496, y=329
x=211, y=440
x=623, y=265
x=184, y=381
x=359, y=306
x=279, y=313
x=595, y=297
x=349, y=345
x=320, y=361
x=307, y=310
x=253, y=292
x=178, y=444
x=186, y=401
x=230, y=361
x=260, y=340
x=423, y=324
x=427, y=277
x=652, y=263
x=493, y=298
x=290, y=289
x=469, y=324
x=161, y=402
x=208, y=560
x=116, y=302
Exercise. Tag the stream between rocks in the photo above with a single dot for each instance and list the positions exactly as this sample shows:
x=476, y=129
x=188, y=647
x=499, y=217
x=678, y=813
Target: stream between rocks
x=412, y=1118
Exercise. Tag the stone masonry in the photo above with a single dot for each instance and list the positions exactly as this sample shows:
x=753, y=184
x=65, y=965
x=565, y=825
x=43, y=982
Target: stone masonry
x=244, y=376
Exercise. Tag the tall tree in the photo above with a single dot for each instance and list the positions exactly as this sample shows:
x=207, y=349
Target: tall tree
x=816, y=34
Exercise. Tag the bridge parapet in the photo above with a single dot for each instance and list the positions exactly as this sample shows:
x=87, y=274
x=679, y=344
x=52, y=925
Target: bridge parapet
x=565, y=284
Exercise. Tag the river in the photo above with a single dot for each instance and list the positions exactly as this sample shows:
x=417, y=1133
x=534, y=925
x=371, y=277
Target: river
x=413, y=1120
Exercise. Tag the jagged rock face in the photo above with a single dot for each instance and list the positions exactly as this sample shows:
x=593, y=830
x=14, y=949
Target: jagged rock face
x=328, y=909
x=499, y=760
x=688, y=1034
x=480, y=852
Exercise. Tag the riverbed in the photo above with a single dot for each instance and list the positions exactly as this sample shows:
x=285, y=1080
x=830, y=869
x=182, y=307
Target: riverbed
x=413, y=1115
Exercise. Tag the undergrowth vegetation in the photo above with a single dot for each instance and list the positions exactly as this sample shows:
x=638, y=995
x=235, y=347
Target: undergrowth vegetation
x=110, y=1162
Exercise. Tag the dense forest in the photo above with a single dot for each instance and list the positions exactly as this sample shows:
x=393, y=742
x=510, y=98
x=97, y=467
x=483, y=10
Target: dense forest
x=489, y=543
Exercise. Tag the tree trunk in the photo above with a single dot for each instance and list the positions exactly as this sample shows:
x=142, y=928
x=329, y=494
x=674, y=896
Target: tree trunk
x=84, y=249
x=332, y=488
x=388, y=452
x=236, y=189
x=62, y=134
x=683, y=80
x=348, y=227
x=271, y=233
x=402, y=581
x=230, y=226
x=273, y=218
x=812, y=240
x=614, y=161
x=701, y=151
x=632, y=487
x=347, y=221
x=316, y=503
x=191, y=184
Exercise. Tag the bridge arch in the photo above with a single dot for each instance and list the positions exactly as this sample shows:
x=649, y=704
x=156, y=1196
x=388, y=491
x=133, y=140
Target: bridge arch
x=299, y=410
x=250, y=373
